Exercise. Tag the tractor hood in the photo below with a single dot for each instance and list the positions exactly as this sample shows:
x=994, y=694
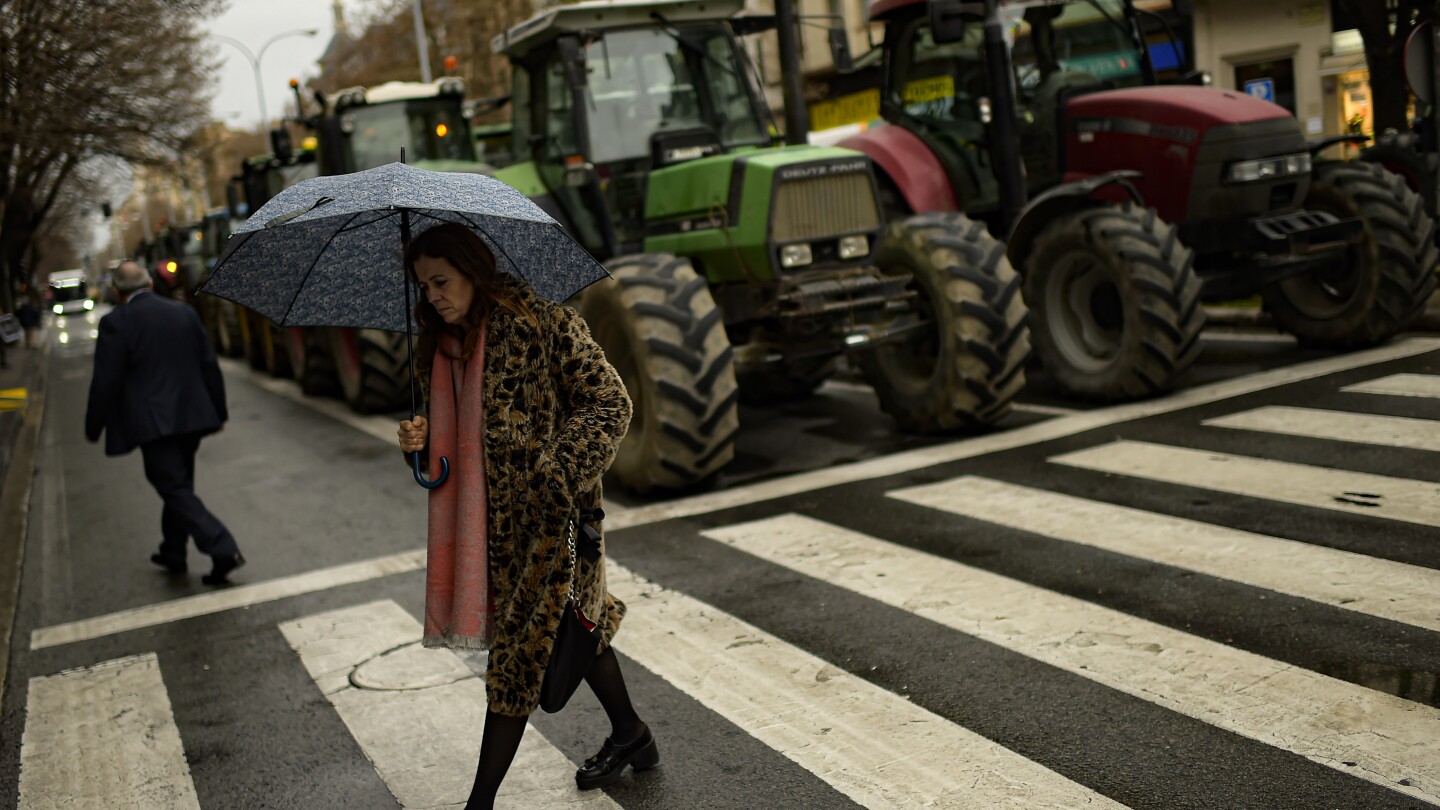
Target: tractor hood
x=459, y=166
x=1176, y=113
x=748, y=204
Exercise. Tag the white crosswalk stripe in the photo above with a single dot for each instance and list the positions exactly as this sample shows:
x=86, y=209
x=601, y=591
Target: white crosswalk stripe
x=843, y=729
x=1343, y=491
x=106, y=735
x=103, y=736
x=1293, y=709
x=1390, y=431
x=1400, y=385
x=1388, y=590
x=418, y=713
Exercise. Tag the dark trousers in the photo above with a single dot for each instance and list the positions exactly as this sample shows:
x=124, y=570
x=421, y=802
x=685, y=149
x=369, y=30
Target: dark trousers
x=170, y=468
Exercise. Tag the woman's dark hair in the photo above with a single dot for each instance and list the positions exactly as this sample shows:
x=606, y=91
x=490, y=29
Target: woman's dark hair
x=469, y=254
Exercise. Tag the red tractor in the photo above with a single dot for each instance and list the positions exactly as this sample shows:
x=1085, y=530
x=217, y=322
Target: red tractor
x=1148, y=199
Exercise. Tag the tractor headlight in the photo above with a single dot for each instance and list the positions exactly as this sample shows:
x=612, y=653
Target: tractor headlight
x=853, y=247
x=796, y=255
x=1250, y=171
x=58, y=309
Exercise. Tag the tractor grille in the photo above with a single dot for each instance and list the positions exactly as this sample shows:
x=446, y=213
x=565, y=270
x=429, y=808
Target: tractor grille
x=814, y=207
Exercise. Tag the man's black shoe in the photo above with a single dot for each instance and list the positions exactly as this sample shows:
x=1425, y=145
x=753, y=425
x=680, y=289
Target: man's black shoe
x=170, y=564
x=222, y=569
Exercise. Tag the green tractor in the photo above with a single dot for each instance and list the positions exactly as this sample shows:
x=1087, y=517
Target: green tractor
x=741, y=267
x=357, y=128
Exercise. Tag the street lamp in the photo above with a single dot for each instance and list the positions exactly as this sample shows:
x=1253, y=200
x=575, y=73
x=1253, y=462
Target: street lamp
x=255, y=63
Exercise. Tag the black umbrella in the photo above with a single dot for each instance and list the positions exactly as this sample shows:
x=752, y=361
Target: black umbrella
x=328, y=251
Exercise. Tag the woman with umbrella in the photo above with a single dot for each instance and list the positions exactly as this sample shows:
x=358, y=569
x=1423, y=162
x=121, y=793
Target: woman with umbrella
x=529, y=413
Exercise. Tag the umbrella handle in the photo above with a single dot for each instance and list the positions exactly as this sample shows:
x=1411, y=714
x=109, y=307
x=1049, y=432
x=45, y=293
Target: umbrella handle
x=420, y=477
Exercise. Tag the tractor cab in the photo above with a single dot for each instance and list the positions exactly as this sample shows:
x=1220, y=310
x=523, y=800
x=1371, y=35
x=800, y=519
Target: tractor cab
x=362, y=128
x=600, y=106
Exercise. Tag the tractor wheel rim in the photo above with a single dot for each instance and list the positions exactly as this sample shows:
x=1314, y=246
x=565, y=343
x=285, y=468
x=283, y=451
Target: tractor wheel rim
x=1329, y=293
x=1083, y=304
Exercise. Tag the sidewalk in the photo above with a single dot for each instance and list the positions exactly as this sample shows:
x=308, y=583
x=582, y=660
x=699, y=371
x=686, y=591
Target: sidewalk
x=22, y=403
x=1429, y=321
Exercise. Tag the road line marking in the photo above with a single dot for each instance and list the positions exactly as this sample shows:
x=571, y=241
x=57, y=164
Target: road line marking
x=1343, y=426
x=418, y=713
x=1021, y=407
x=226, y=599
x=103, y=736
x=874, y=746
x=1381, y=588
x=381, y=427
x=1045, y=410
x=1343, y=491
x=1245, y=337
x=1400, y=385
x=56, y=587
x=1320, y=718
x=849, y=387
x=618, y=518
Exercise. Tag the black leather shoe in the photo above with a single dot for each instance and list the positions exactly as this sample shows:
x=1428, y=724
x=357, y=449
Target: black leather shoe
x=170, y=564
x=222, y=569
x=608, y=766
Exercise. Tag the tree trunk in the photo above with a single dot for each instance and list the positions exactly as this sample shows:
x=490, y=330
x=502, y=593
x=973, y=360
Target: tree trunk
x=1388, y=92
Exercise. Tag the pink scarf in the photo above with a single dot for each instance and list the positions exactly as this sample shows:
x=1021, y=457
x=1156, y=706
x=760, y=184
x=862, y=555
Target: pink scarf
x=459, y=603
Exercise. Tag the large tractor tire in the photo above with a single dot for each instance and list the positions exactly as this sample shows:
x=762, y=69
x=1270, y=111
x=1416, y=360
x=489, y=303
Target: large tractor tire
x=660, y=328
x=784, y=381
x=963, y=371
x=1383, y=281
x=371, y=367
x=311, y=361
x=1114, y=302
x=263, y=344
x=1400, y=153
x=228, y=340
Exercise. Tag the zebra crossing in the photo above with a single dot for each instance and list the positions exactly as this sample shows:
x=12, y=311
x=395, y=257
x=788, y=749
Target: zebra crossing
x=911, y=650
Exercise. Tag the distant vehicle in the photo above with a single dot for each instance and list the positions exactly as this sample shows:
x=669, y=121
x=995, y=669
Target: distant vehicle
x=69, y=292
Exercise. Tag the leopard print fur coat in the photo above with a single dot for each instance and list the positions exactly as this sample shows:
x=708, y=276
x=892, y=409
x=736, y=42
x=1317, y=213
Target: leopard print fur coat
x=555, y=412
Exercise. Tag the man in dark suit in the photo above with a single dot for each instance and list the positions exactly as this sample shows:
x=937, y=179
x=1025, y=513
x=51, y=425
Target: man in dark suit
x=157, y=387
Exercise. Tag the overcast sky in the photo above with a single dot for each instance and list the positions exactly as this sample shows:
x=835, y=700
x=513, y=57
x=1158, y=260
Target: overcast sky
x=254, y=22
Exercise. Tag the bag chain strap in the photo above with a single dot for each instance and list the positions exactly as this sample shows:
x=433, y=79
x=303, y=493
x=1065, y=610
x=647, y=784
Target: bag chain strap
x=574, y=563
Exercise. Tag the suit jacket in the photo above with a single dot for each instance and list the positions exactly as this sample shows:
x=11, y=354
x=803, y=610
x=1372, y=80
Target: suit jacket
x=155, y=376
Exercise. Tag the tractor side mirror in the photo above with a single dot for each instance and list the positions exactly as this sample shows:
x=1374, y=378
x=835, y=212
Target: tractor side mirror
x=487, y=105
x=579, y=175
x=840, y=51
x=947, y=21
x=280, y=144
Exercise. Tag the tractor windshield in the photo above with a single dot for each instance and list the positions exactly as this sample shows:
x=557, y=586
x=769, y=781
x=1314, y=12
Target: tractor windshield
x=432, y=129
x=651, y=80
x=1089, y=40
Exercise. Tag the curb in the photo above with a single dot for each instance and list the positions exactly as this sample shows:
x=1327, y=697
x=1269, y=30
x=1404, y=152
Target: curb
x=1428, y=321
x=15, y=510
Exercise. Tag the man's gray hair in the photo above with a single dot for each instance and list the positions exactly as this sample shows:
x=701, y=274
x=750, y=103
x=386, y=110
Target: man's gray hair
x=129, y=277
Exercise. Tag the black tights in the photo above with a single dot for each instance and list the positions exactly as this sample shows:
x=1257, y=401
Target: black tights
x=502, y=734
x=608, y=685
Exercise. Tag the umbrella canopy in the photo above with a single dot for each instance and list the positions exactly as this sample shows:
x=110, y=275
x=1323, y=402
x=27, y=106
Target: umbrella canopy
x=328, y=251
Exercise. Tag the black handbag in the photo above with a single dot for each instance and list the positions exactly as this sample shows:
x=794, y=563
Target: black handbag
x=578, y=639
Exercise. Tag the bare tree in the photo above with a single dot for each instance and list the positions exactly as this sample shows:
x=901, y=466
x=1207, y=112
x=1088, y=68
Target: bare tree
x=85, y=78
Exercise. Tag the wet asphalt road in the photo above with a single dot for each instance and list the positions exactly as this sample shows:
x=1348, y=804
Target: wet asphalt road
x=305, y=492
